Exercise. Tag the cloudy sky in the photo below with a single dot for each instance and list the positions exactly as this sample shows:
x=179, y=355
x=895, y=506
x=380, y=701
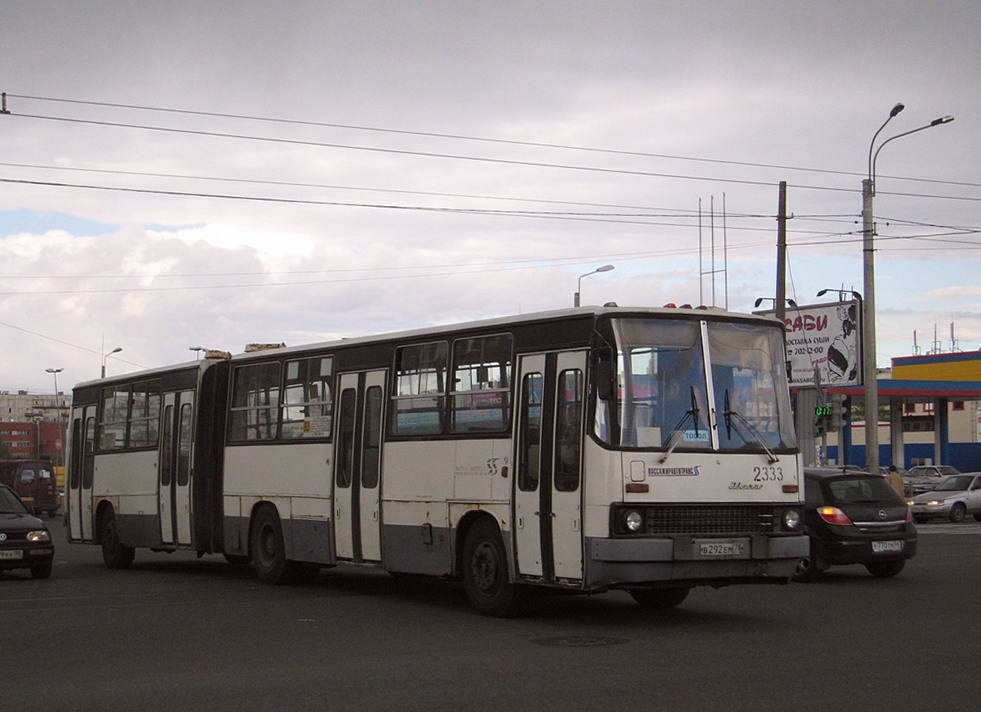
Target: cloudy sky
x=181, y=174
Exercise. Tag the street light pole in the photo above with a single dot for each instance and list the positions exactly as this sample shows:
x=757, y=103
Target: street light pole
x=59, y=446
x=107, y=355
x=54, y=372
x=604, y=268
x=869, y=372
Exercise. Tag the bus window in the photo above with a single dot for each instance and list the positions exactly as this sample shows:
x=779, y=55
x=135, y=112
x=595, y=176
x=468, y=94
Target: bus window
x=88, y=464
x=345, y=438
x=255, y=402
x=568, y=426
x=167, y=466
x=115, y=412
x=748, y=372
x=76, y=454
x=307, y=407
x=531, y=432
x=480, y=397
x=372, y=437
x=420, y=388
x=184, y=445
x=144, y=414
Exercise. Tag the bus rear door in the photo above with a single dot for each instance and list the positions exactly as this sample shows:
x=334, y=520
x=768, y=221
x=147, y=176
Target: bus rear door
x=79, y=485
x=357, y=466
x=176, y=447
x=547, y=497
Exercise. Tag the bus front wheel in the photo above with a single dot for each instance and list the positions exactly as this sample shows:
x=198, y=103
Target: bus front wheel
x=485, y=572
x=114, y=554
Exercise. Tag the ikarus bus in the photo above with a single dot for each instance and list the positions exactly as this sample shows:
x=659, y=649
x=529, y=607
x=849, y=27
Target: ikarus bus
x=588, y=449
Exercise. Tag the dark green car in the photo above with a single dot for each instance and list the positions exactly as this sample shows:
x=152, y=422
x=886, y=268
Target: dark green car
x=25, y=543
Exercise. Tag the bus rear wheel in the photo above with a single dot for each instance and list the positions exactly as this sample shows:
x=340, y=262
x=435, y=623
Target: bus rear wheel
x=267, y=547
x=114, y=554
x=485, y=572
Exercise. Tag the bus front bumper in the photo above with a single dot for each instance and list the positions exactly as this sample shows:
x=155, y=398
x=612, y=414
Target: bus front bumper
x=693, y=560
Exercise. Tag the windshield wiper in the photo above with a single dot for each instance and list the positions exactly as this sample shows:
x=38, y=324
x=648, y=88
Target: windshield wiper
x=677, y=432
x=734, y=417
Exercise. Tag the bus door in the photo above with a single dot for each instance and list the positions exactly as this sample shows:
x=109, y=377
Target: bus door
x=357, y=466
x=547, y=497
x=176, y=446
x=81, y=474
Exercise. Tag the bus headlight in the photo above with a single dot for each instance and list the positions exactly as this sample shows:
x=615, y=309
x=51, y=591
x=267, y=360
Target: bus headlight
x=633, y=521
x=791, y=519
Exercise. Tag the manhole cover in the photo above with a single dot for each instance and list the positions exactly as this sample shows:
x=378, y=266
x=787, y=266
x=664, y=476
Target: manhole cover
x=578, y=641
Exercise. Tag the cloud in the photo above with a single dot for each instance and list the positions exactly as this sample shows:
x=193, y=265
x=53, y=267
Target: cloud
x=973, y=290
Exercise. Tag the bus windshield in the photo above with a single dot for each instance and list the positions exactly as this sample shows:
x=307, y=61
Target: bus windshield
x=697, y=386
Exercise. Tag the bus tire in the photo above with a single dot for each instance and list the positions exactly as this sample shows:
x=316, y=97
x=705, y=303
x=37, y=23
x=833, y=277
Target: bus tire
x=267, y=547
x=114, y=553
x=485, y=572
x=659, y=599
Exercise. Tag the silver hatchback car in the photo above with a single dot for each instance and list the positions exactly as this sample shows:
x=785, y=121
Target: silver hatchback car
x=954, y=498
x=924, y=478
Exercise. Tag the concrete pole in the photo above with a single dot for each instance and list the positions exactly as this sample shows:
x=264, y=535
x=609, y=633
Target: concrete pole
x=869, y=376
x=781, y=300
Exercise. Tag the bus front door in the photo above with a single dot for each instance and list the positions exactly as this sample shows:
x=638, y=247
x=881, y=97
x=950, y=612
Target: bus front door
x=357, y=466
x=81, y=474
x=174, y=491
x=547, y=496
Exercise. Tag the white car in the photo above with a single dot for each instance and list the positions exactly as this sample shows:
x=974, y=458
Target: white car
x=954, y=498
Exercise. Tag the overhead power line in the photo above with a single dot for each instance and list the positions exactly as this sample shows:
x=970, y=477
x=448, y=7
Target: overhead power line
x=402, y=152
x=464, y=137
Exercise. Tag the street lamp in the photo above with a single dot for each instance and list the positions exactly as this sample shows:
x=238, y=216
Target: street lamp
x=604, y=268
x=869, y=373
x=107, y=355
x=60, y=444
x=198, y=349
x=54, y=372
x=841, y=294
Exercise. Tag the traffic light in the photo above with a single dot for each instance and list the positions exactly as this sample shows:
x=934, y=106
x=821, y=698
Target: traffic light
x=822, y=419
x=837, y=413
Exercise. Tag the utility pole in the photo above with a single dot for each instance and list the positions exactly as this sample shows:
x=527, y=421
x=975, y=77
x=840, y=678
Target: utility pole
x=869, y=374
x=781, y=305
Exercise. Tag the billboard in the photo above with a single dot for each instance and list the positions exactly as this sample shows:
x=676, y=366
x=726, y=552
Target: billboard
x=826, y=337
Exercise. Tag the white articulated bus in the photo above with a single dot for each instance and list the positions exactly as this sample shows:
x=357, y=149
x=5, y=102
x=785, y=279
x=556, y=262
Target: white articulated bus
x=650, y=450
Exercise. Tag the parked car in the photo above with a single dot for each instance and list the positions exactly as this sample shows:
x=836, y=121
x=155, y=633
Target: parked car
x=954, y=498
x=924, y=478
x=855, y=518
x=884, y=471
x=34, y=483
x=25, y=543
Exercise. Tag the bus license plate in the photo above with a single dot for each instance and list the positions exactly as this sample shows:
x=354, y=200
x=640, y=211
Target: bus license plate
x=12, y=554
x=881, y=547
x=721, y=548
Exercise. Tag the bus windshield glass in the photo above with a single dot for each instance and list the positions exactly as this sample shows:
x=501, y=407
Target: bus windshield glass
x=697, y=386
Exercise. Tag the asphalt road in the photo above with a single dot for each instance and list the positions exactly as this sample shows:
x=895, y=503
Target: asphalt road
x=179, y=633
